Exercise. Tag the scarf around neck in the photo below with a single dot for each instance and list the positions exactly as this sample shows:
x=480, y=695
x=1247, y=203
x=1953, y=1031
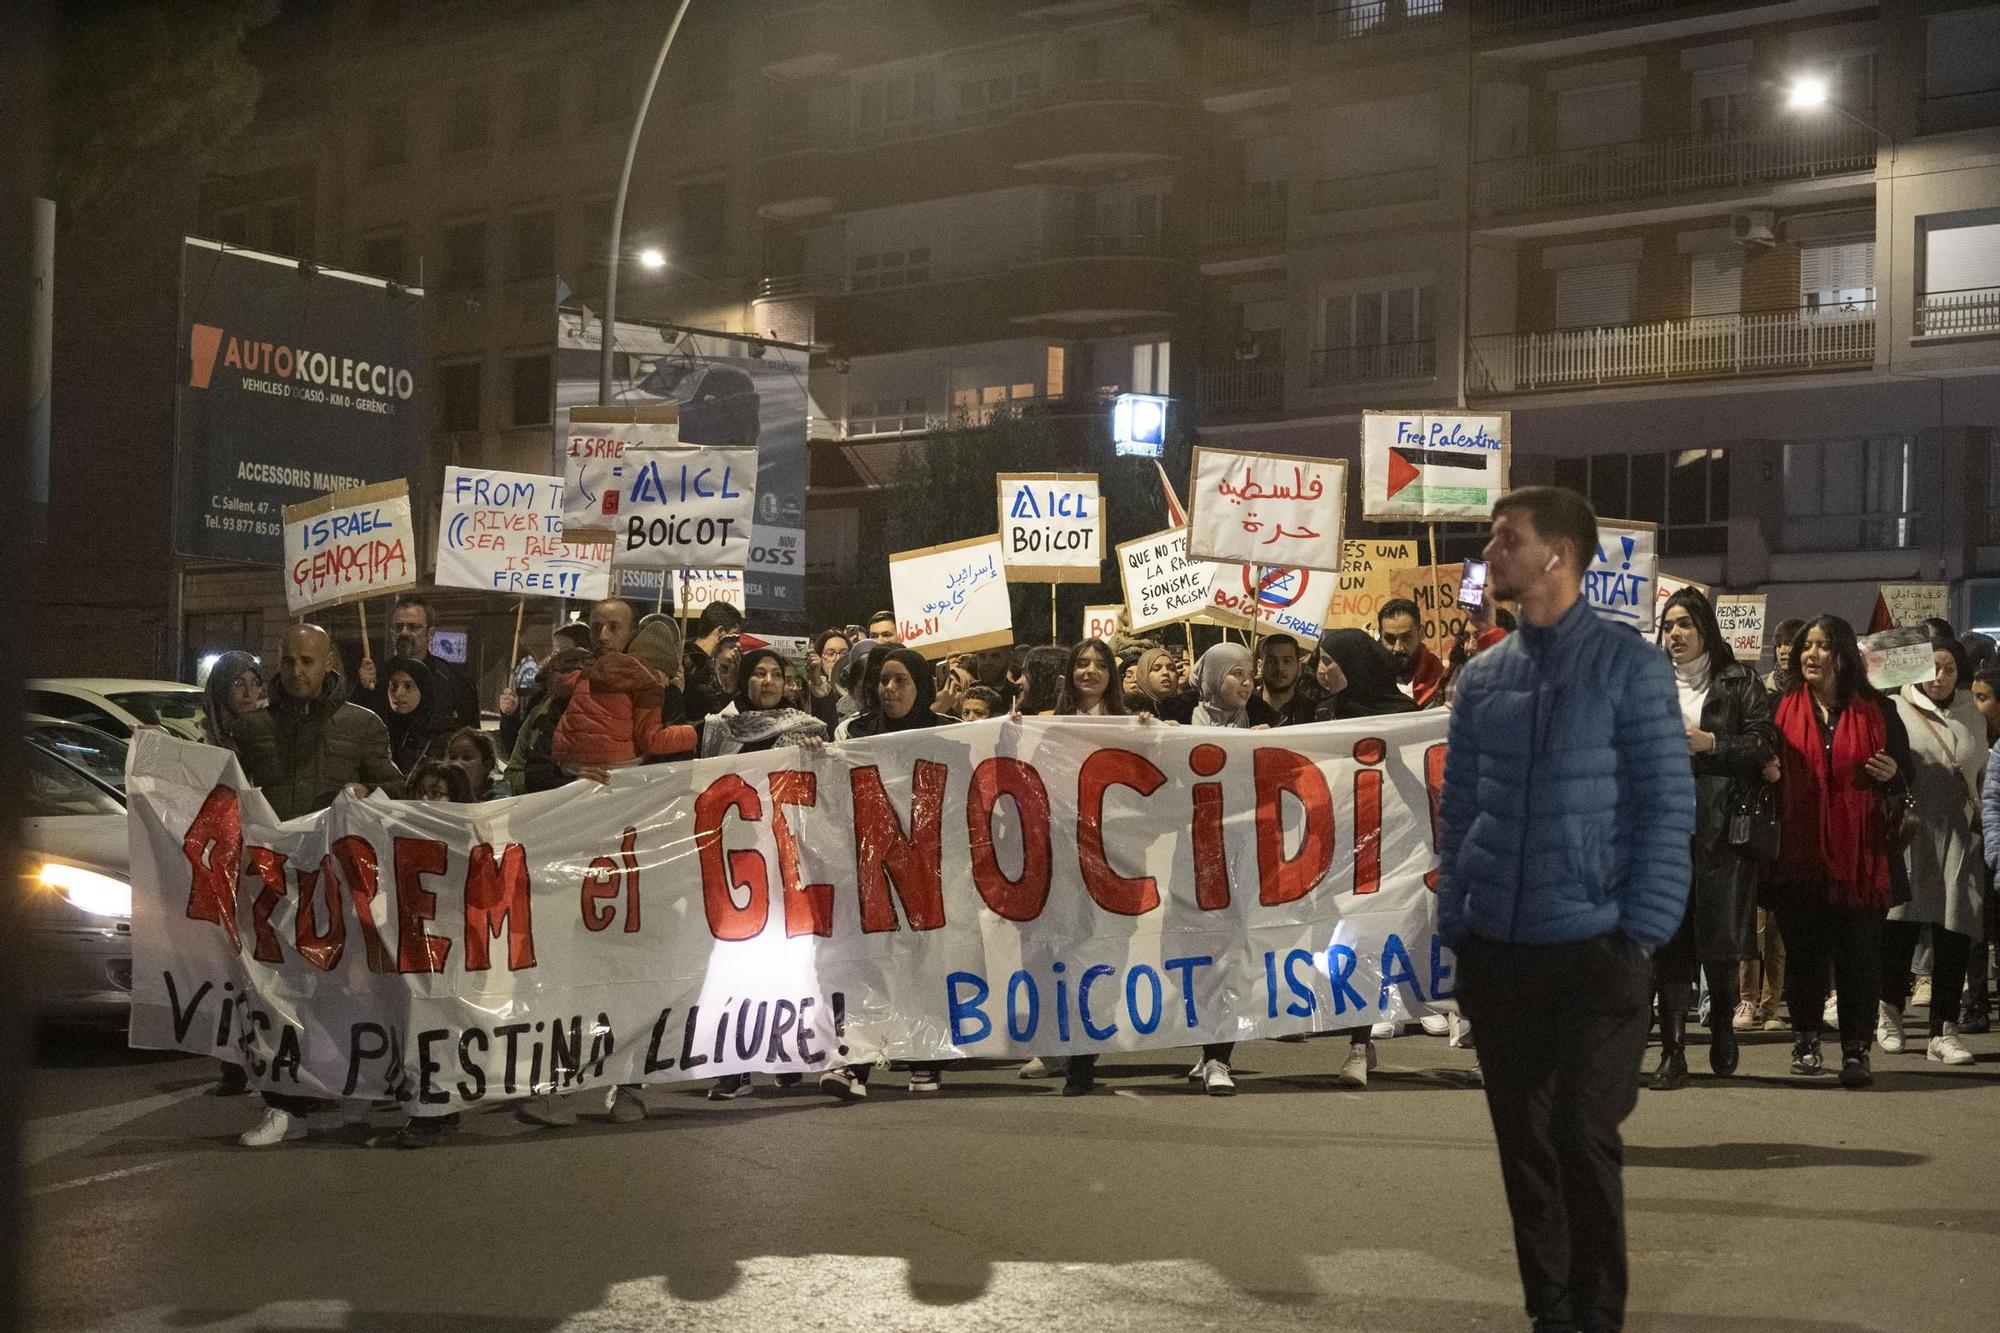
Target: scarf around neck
x=1833, y=835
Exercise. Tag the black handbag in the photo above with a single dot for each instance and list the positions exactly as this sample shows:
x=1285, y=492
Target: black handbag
x=1754, y=830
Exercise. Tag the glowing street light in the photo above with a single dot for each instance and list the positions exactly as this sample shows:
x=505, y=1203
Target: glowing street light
x=1809, y=92
x=652, y=258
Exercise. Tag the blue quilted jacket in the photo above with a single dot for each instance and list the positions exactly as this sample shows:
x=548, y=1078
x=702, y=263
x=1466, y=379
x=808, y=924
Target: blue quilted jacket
x=1568, y=803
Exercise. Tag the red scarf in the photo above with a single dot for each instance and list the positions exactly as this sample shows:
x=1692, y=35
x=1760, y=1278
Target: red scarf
x=1424, y=681
x=1832, y=821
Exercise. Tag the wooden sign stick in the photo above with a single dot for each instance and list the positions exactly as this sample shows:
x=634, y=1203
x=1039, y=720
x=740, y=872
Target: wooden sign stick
x=361, y=614
x=514, y=653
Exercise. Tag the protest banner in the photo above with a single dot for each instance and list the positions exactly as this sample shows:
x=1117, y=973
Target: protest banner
x=1740, y=616
x=1051, y=526
x=594, y=469
x=1435, y=591
x=696, y=589
x=1898, y=657
x=1274, y=600
x=502, y=532
x=1162, y=583
x=1371, y=573
x=349, y=546
x=1618, y=582
x=1901, y=604
x=1432, y=466
x=1274, y=510
x=994, y=889
x=685, y=507
x=1101, y=622
x=952, y=598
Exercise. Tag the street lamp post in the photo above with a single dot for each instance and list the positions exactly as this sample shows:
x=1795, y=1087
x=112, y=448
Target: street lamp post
x=618, y=215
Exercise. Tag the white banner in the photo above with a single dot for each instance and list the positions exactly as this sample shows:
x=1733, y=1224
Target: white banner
x=502, y=532
x=695, y=589
x=1051, y=526
x=1618, y=582
x=952, y=598
x=985, y=890
x=1430, y=466
x=348, y=546
x=1274, y=510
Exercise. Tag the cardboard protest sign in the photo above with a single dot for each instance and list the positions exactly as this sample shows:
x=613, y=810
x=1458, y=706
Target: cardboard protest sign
x=1432, y=466
x=696, y=589
x=1899, y=657
x=502, y=532
x=1101, y=622
x=1162, y=583
x=1898, y=604
x=348, y=546
x=1051, y=526
x=687, y=507
x=1371, y=573
x=1740, y=616
x=1267, y=509
x=595, y=472
x=1435, y=591
x=1619, y=581
x=952, y=598
x=790, y=923
x=1288, y=601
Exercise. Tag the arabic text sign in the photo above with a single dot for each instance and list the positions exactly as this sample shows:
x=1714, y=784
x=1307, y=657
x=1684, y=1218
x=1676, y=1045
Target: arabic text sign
x=1162, y=584
x=1288, y=601
x=1371, y=573
x=1432, y=465
x=349, y=545
x=595, y=470
x=1100, y=622
x=1899, y=657
x=600, y=935
x=952, y=598
x=502, y=532
x=696, y=589
x=1618, y=582
x=1267, y=509
x=1913, y=603
x=1740, y=616
x=1051, y=526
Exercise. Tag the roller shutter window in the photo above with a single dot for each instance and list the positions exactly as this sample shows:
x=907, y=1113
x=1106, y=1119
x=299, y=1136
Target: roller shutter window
x=1605, y=114
x=1837, y=277
x=1595, y=295
x=1962, y=258
x=1715, y=283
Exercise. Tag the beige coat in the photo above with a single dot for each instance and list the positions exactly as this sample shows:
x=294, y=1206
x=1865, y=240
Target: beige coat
x=1947, y=884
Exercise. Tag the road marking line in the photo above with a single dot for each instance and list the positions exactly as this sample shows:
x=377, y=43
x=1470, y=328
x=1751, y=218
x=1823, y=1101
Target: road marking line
x=53, y=1135
x=98, y=1179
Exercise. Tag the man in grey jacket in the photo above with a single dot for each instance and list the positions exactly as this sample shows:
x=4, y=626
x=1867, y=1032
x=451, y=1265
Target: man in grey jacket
x=1566, y=820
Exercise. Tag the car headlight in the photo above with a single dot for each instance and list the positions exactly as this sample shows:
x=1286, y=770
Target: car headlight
x=88, y=891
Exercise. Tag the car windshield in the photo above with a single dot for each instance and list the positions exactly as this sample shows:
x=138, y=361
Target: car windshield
x=101, y=756
x=177, y=710
x=55, y=789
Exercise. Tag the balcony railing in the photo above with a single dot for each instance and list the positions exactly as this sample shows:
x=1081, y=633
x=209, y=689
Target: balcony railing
x=1339, y=20
x=1703, y=347
x=1096, y=245
x=1974, y=310
x=1498, y=16
x=1260, y=56
x=1370, y=365
x=1252, y=388
x=1649, y=167
x=1407, y=186
x=783, y=288
x=1241, y=224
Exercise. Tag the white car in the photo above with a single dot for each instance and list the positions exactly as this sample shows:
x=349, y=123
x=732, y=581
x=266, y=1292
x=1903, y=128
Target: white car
x=79, y=903
x=116, y=706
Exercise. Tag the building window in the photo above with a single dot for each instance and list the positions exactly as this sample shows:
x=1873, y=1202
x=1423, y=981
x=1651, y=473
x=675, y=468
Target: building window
x=892, y=268
x=607, y=92
x=1850, y=494
x=532, y=248
x=458, y=395
x=1837, y=278
x=1959, y=53
x=1684, y=492
x=995, y=97
x=976, y=407
x=281, y=227
x=532, y=389
x=892, y=104
x=1592, y=296
x=1151, y=364
x=387, y=136
x=382, y=254
x=701, y=211
x=1961, y=266
x=537, y=104
x=888, y=416
x=462, y=267
x=466, y=126
x=1386, y=317
x=1605, y=114
x=1715, y=282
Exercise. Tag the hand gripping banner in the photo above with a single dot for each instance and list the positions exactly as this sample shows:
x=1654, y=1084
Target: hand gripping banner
x=993, y=889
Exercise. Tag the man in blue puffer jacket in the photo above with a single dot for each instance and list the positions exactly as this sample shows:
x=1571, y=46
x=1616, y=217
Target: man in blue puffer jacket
x=1566, y=819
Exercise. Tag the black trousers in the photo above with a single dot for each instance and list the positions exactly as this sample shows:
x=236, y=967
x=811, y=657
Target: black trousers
x=1837, y=946
x=1950, y=952
x=1562, y=1029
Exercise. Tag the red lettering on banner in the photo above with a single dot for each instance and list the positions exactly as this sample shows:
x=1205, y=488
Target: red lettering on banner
x=1434, y=784
x=269, y=868
x=416, y=949
x=1211, y=857
x=1011, y=899
x=884, y=855
x=1103, y=770
x=214, y=850
x=498, y=897
x=1281, y=773
x=364, y=878
x=1368, y=816
x=808, y=907
x=599, y=882
x=320, y=889
x=745, y=869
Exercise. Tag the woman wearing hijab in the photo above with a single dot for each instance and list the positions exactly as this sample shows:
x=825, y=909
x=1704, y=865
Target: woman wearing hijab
x=1358, y=677
x=859, y=672
x=1160, y=684
x=1223, y=682
x=758, y=718
x=235, y=686
x=408, y=712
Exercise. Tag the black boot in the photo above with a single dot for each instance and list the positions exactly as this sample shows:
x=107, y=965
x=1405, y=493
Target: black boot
x=1672, y=1073
x=1854, y=1070
x=1722, y=1048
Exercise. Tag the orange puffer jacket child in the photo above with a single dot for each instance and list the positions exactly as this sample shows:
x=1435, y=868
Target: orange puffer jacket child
x=614, y=718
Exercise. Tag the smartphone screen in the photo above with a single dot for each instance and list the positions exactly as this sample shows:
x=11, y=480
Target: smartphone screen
x=1472, y=587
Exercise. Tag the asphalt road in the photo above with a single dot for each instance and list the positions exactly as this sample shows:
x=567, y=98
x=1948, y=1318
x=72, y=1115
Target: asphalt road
x=1762, y=1203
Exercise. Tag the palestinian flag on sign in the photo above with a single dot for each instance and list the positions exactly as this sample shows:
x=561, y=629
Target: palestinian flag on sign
x=1442, y=476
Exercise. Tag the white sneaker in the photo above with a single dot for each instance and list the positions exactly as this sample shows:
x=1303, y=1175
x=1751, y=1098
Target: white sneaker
x=1436, y=1025
x=1920, y=991
x=1051, y=1066
x=1199, y=1071
x=628, y=1106
x=1215, y=1080
x=1948, y=1049
x=1889, y=1028
x=276, y=1127
x=1746, y=1016
x=1830, y=1016
x=1461, y=1032
x=1383, y=1031
x=1354, y=1069
x=841, y=1083
x=548, y=1110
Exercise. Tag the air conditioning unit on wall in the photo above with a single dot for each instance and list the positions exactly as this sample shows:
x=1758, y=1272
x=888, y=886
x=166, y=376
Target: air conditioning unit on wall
x=1756, y=227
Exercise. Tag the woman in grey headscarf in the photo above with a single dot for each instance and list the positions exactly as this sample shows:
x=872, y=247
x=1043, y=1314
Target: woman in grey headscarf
x=1224, y=679
x=235, y=686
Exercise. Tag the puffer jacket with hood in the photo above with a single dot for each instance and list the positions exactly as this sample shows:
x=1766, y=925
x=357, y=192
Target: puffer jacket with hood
x=614, y=718
x=301, y=753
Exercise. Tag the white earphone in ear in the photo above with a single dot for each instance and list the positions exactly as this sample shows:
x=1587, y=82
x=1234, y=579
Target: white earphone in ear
x=1554, y=560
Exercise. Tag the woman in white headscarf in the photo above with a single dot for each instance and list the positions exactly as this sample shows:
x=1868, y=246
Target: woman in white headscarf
x=1224, y=679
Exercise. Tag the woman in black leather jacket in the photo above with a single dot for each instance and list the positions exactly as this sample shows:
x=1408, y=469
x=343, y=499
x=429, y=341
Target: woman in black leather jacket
x=1730, y=738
